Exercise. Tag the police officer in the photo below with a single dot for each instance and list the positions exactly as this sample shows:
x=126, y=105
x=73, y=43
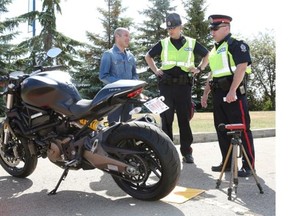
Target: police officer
x=175, y=79
x=230, y=62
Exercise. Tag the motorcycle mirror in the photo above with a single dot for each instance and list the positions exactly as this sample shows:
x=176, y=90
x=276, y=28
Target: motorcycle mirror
x=53, y=52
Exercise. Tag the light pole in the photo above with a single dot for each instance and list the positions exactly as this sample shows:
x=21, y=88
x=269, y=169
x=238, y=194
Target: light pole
x=33, y=22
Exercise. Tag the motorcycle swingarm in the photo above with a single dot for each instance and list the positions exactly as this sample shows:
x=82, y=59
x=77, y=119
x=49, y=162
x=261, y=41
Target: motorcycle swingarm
x=121, y=151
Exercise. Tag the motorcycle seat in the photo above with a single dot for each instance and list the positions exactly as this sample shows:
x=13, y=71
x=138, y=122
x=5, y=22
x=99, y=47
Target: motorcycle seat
x=82, y=106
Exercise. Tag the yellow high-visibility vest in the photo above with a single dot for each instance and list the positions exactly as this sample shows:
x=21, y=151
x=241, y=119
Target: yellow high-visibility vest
x=219, y=61
x=183, y=58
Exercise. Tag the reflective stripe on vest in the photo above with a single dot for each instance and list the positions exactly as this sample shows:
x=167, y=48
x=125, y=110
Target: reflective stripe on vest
x=172, y=57
x=219, y=62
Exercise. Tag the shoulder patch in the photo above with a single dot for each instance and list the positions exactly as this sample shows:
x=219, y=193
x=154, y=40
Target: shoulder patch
x=243, y=48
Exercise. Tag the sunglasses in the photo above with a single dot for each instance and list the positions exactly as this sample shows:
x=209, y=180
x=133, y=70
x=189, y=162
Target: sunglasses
x=216, y=28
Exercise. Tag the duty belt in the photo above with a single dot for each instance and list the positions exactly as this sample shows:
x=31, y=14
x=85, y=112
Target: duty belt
x=181, y=80
x=224, y=84
x=221, y=83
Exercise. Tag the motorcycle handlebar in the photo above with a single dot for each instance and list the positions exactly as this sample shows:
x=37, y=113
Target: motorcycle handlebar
x=51, y=68
x=43, y=69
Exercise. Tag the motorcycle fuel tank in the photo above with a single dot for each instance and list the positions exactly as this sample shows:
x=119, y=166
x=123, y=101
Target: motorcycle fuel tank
x=51, y=89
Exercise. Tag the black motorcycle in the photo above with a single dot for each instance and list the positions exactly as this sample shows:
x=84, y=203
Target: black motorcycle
x=45, y=116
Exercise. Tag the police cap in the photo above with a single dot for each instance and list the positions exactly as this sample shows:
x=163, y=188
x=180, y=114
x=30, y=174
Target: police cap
x=217, y=19
x=173, y=20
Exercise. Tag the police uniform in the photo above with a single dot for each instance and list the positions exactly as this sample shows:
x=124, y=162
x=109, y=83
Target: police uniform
x=177, y=55
x=223, y=59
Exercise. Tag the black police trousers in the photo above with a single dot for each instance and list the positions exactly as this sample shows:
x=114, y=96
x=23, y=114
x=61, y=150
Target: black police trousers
x=178, y=99
x=233, y=113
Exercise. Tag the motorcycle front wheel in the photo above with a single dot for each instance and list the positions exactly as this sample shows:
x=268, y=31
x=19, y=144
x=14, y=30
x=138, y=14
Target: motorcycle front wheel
x=15, y=156
x=157, y=163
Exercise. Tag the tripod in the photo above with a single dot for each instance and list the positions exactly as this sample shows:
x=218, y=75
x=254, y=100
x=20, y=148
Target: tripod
x=236, y=143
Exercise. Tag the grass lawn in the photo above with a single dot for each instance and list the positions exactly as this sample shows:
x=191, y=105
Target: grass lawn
x=203, y=121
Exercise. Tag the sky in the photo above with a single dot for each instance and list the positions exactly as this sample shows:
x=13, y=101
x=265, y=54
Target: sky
x=246, y=20
x=249, y=16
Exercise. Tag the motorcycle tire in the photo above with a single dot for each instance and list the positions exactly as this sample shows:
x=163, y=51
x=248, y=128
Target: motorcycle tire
x=16, y=158
x=159, y=166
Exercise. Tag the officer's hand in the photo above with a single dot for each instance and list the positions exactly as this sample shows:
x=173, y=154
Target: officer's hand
x=159, y=72
x=194, y=70
x=231, y=97
x=204, y=101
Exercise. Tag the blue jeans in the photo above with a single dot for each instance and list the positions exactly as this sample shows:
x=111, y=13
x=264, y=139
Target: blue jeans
x=120, y=114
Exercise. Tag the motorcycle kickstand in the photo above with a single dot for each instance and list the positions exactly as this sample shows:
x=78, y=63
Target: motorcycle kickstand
x=63, y=176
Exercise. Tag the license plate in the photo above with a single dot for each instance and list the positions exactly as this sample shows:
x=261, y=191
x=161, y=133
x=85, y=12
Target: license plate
x=156, y=105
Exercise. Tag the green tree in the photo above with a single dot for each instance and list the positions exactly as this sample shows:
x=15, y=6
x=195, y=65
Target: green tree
x=33, y=49
x=262, y=84
x=9, y=54
x=4, y=39
x=5, y=46
x=149, y=33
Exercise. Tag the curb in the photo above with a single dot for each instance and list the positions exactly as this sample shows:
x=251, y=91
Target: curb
x=212, y=137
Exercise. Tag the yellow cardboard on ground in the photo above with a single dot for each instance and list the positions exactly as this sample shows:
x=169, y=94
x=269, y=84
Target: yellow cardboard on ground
x=182, y=194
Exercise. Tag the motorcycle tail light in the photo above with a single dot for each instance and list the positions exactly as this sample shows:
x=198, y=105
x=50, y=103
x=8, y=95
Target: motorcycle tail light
x=135, y=93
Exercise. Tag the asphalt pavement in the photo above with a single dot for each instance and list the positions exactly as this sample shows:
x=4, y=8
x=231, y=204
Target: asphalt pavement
x=85, y=193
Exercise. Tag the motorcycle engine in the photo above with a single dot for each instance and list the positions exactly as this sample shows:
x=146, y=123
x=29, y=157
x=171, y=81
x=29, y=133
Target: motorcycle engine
x=60, y=150
x=54, y=153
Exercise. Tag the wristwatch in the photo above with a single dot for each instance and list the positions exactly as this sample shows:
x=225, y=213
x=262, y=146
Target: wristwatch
x=199, y=68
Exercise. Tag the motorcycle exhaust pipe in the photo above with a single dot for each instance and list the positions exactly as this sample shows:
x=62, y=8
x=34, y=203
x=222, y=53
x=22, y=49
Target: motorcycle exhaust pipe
x=104, y=162
x=147, y=118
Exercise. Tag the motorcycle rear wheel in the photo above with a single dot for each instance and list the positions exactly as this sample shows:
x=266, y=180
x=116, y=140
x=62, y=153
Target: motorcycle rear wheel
x=158, y=168
x=15, y=157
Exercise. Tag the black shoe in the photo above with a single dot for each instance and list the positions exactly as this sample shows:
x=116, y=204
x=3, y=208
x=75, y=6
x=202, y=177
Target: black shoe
x=244, y=172
x=188, y=158
x=219, y=168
